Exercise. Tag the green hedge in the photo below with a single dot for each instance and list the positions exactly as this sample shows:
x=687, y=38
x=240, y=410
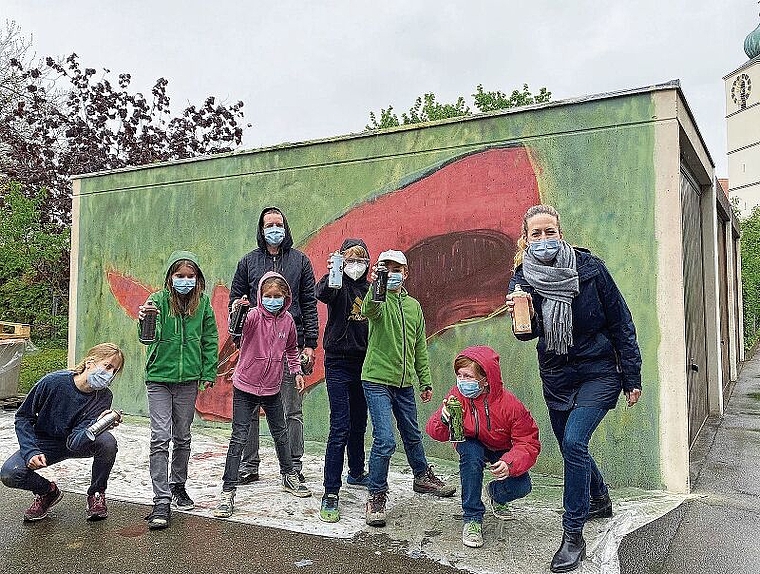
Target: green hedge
x=38, y=363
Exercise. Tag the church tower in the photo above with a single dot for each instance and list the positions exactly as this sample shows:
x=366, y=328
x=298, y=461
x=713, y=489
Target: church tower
x=743, y=127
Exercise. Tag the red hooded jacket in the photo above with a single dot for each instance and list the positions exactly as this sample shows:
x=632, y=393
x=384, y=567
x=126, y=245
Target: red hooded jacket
x=497, y=418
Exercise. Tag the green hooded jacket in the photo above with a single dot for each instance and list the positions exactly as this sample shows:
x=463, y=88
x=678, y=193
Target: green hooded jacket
x=186, y=348
x=397, y=353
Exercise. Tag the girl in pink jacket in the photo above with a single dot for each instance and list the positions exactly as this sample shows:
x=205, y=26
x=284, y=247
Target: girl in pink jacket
x=269, y=333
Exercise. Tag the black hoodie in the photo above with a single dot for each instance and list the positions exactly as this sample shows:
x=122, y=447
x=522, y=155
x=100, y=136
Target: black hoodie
x=291, y=264
x=346, y=329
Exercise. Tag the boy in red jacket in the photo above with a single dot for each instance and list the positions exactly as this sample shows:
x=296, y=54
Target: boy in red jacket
x=499, y=433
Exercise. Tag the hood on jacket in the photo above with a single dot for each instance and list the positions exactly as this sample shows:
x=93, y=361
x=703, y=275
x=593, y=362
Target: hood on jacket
x=351, y=242
x=488, y=359
x=287, y=243
x=178, y=256
x=288, y=297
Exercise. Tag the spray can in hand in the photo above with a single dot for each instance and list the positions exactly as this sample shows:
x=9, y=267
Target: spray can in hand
x=380, y=286
x=335, y=279
x=237, y=320
x=307, y=367
x=103, y=424
x=521, y=323
x=148, y=324
x=456, y=419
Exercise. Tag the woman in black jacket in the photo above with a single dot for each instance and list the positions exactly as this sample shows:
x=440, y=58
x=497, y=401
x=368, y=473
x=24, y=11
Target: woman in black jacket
x=587, y=355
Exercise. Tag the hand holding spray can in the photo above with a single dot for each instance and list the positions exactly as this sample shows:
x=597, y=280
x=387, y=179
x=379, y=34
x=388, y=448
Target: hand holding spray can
x=380, y=286
x=103, y=424
x=456, y=419
x=148, y=323
x=521, y=313
x=335, y=280
x=238, y=316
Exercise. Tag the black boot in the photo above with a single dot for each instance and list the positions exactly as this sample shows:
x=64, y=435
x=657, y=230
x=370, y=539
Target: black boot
x=600, y=507
x=570, y=554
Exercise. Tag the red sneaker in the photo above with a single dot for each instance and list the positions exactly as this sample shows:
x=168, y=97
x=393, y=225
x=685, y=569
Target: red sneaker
x=96, y=507
x=42, y=504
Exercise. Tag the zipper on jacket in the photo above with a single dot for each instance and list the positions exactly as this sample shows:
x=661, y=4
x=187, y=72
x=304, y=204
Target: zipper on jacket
x=403, y=340
x=488, y=416
x=475, y=416
x=181, y=348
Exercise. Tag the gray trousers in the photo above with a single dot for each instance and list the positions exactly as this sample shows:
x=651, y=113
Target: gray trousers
x=292, y=404
x=172, y=408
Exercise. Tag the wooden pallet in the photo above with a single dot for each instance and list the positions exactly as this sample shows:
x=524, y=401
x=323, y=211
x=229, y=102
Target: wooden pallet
x=12, y=403
x=14, y=330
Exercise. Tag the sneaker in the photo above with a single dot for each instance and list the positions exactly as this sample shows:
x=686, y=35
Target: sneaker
x=376, y=509
x=500, y=511
x=180, y=499
x=96, y=507
x=42, y=504
x=361, y=482
x=600, y=507
x=429, y=483
x=329, y=511
x=291, y=484
x=226, y=504
x=472, y=534
x=301, y=478
x=159, y=518
x=248, y=478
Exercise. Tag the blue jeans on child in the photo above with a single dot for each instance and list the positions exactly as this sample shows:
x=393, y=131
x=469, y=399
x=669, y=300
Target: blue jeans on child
x=245, y=407
x=348, y=420
x=573, y=430
x=473, y=456
x=385, y=402
x=15, y=473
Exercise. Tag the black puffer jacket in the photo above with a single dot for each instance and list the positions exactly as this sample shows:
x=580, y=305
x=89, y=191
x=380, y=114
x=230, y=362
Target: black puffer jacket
x=298, y=272
x=346, y=330
x=604, y=358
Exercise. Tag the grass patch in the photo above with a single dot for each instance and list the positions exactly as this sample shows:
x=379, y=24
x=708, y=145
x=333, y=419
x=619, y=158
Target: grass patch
x=37, y=364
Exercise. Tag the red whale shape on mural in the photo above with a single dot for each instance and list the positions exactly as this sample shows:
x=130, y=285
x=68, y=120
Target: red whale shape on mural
x=458, y=225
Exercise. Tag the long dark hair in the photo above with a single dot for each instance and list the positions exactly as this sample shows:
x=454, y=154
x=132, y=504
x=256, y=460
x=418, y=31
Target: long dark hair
x=185, y=304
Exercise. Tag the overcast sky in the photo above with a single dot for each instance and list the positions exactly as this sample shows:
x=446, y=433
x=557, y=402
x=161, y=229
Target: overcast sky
x=308, y=70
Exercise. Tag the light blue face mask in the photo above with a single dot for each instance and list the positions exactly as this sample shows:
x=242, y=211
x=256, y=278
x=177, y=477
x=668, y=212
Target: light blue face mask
x=100, y=379
x=545, y=250
x=469, y=388
x=183, y=286
x=395, y=280
x=273, y=304
x=274, y=235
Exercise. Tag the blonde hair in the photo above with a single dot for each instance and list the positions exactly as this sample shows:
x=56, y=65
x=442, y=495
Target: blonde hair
x=185, y=304
x=462, y=361
x=278, y=282
x=99, y=353
x=522, y=242
x=356, y=252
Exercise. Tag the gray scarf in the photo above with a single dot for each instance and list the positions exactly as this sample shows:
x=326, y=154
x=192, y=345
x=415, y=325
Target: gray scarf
x=557, y=283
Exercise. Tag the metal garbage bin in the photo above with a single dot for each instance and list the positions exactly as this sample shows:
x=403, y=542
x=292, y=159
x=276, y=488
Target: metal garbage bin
x=11, y=351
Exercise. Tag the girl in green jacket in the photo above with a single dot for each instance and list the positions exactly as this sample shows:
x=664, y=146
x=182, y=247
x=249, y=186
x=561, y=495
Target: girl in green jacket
x=181, y=359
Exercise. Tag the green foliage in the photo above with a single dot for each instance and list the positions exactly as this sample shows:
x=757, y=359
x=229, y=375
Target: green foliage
x=427, y=109
x=39, y=363
x=751, y=276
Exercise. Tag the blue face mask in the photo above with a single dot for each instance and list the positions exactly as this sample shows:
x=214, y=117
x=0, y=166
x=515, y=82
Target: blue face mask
x=100, y=379
x=183, y=286
x=545, y=250
x=469, y=388
x=274, y=235
x=395, y=280
x=273, y=304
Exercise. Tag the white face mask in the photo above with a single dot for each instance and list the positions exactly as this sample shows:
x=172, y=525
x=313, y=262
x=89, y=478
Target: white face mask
x=354, y=270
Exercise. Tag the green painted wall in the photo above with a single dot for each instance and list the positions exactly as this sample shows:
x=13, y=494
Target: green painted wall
x=594, y=161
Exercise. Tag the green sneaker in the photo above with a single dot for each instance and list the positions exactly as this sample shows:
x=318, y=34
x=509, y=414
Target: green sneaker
x=329, y=511
x=500, y=511
x=472, y=534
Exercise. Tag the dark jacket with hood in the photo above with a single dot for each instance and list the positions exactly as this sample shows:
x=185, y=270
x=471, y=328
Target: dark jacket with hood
x=186, y=348
x=496, y=418
x=346, y=329
x=294, y=266
x=604, y=358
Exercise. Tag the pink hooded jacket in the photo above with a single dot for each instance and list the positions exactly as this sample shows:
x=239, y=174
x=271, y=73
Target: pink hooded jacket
x=267, y=337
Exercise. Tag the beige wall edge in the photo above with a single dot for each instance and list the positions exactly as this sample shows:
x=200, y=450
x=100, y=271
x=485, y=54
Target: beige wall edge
x=74, y=273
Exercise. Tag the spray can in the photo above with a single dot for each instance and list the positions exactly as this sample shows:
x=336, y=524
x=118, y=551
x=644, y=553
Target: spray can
x=335, y=280
x=307, y=367
x=102, y=425
x=456, y=419
x=148, y=324
x=521, y=323
x=380, y=286
x=238, y=317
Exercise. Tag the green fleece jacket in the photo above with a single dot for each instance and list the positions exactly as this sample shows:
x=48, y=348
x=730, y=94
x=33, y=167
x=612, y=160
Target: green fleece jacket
x=186, y=348
x=397, y=353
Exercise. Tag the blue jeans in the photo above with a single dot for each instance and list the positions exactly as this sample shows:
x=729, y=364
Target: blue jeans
x=348, y=420
x=573, y=430
x=473, y=456
x=245, y=408
x=15, y=473
x=382, y=402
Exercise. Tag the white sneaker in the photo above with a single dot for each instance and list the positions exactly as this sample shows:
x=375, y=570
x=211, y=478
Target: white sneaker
x=472, y=534
x=226, y=504
x=291, y=484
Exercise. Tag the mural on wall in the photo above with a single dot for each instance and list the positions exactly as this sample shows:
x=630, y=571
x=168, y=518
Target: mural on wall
x=458, y=224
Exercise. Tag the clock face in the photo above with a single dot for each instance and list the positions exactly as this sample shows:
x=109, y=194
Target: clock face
x=741, y=89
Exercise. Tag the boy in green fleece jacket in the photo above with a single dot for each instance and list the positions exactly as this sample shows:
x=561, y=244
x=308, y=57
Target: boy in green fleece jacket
x=396, y=356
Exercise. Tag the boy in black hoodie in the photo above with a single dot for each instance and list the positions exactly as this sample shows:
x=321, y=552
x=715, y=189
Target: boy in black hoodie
x=345, y=343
